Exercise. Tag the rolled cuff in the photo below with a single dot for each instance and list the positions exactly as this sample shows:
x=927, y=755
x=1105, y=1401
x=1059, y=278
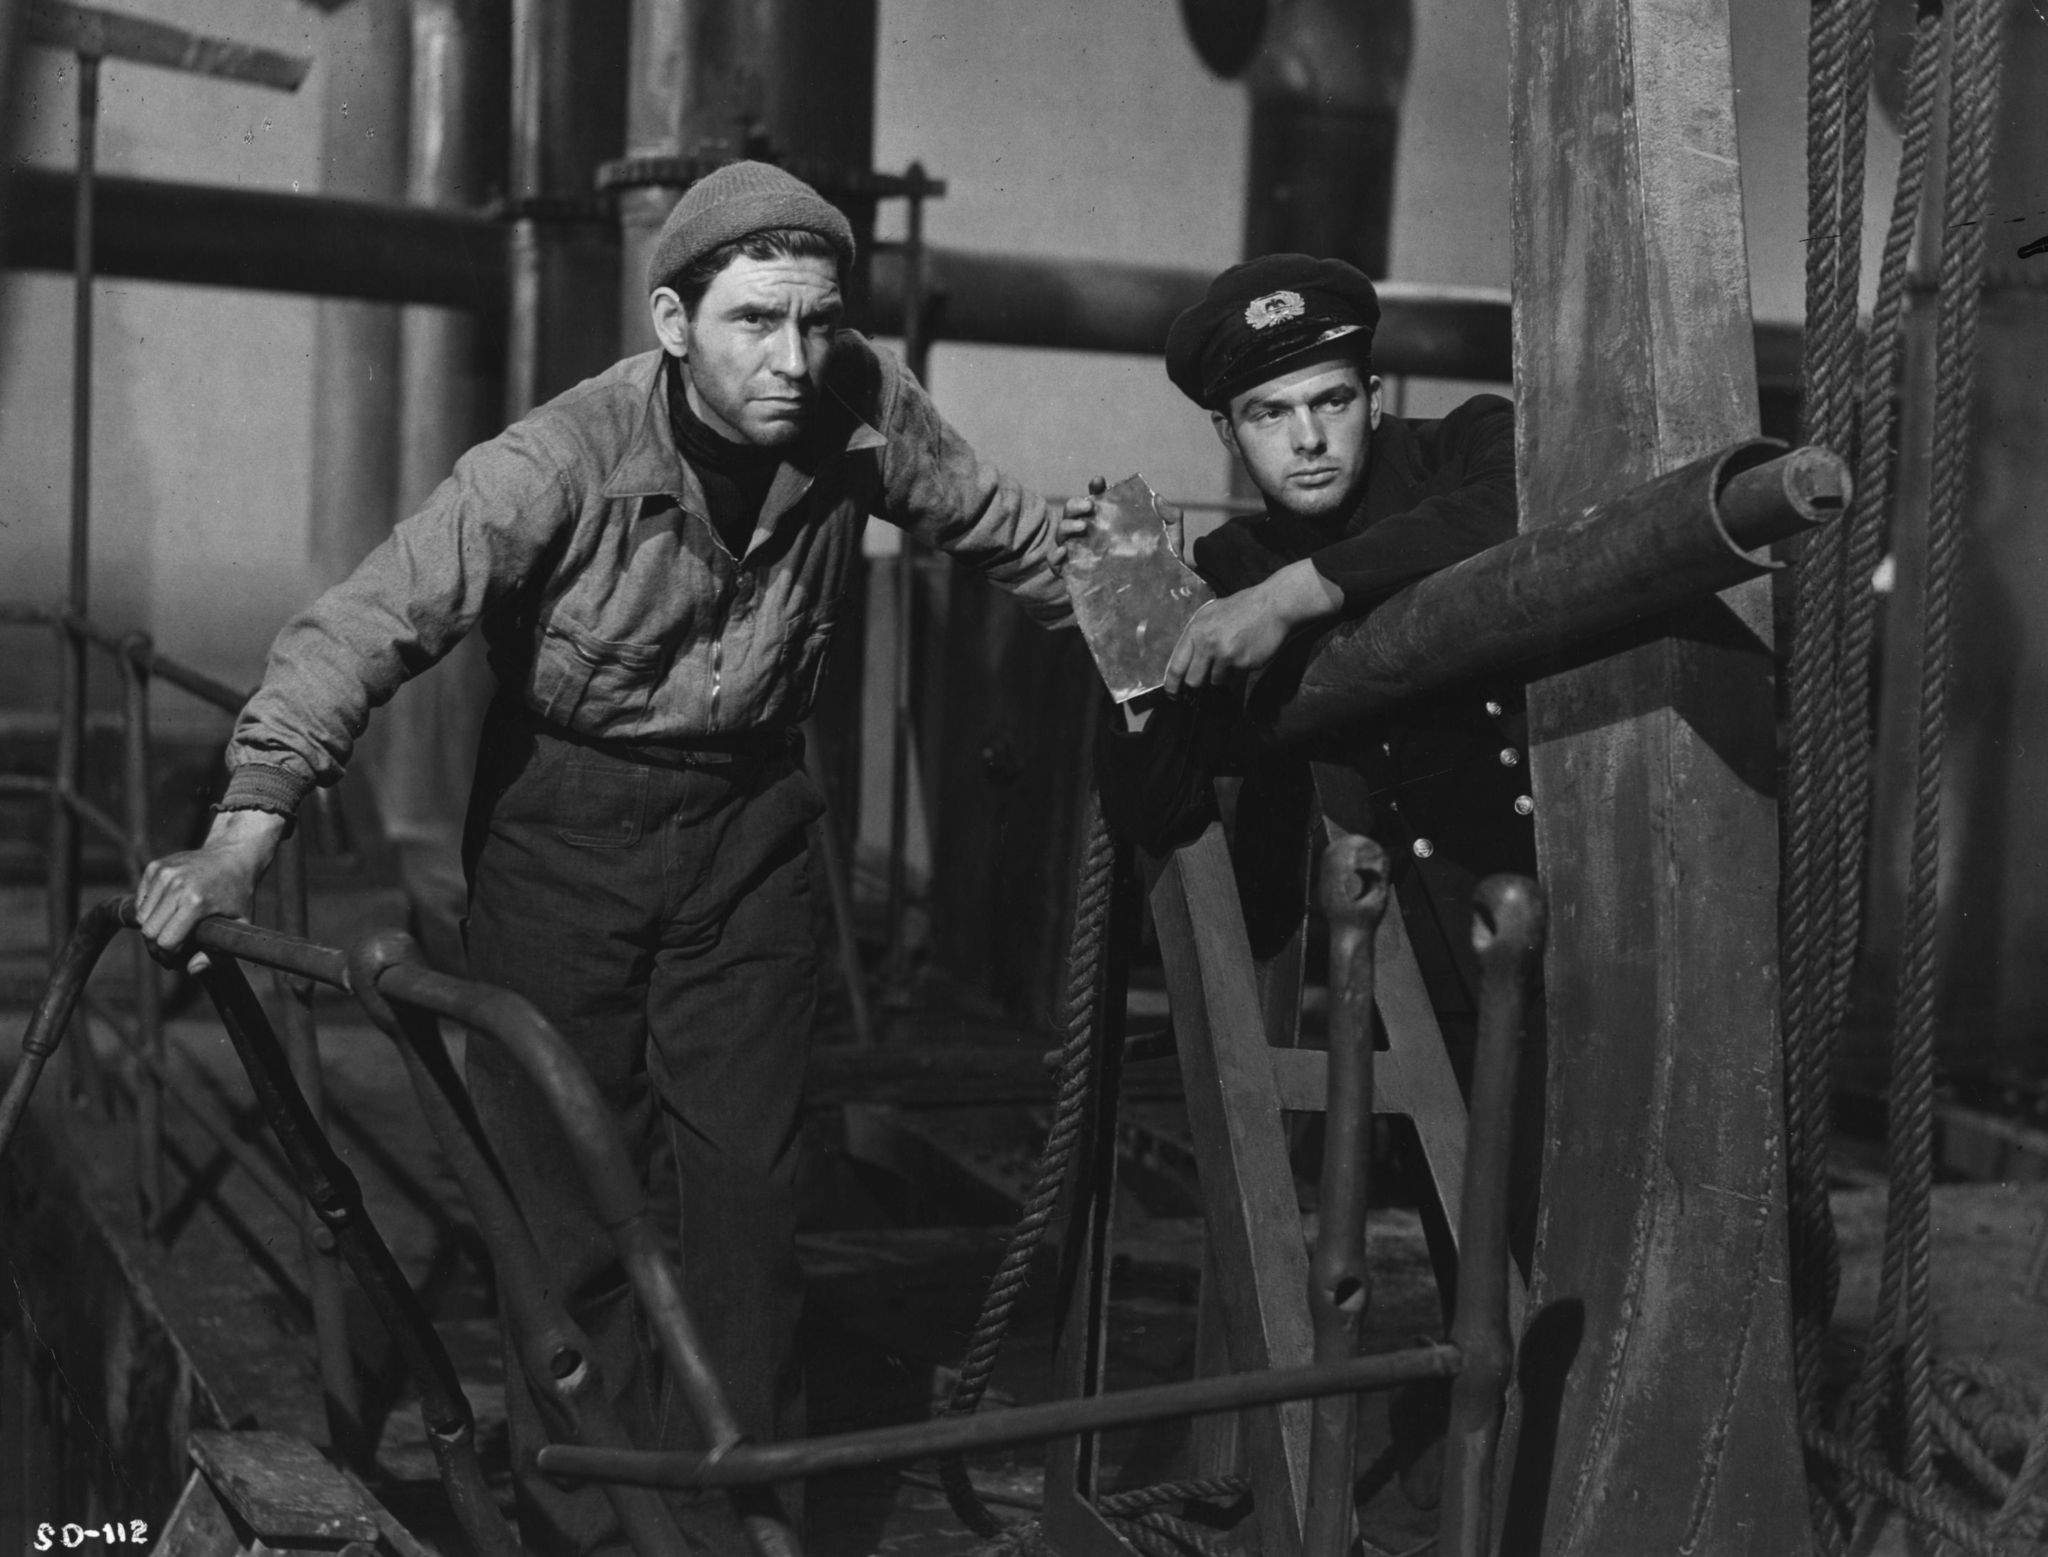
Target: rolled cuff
x=260, y=786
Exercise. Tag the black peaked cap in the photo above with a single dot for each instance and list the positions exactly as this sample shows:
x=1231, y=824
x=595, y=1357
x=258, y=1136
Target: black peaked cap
x=1259, y=316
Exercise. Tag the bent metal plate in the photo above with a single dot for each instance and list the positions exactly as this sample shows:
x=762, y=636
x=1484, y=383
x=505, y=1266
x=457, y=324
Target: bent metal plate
x=1132, y=595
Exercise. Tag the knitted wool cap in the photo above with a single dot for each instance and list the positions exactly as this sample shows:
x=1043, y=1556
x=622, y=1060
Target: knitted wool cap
x=738, y=199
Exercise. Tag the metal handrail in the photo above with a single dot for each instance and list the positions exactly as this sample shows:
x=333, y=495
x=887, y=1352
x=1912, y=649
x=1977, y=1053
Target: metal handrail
x=139, y=664
x=944, y=1437
x=405, y=998
x=137, y=648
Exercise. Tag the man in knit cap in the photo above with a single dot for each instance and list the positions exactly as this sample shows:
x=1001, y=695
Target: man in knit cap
x=656, y=559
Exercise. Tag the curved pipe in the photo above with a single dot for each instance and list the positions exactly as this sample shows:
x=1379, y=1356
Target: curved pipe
x=1509, y=917
x=1354, y=890
x=759, y=1464
x=337, y=1199
x=70, y=969
x=560, y=1364
x=1684, y=535
x=615, y=1189
x=1326, y=93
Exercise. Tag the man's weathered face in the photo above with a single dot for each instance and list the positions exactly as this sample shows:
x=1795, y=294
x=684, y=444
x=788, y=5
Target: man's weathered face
x=754, y=348
x=1305, y=437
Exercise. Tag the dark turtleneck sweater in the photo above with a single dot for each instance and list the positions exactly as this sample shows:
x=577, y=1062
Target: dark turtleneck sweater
x=735, y=476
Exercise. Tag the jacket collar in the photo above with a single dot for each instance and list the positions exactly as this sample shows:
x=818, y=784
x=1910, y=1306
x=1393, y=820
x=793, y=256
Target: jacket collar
x=1391, y=477
x=651, y=465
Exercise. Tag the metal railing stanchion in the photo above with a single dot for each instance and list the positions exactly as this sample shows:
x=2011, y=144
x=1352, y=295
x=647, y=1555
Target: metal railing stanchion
x=149, y=1016
x=64, y=825
x=338, y=1384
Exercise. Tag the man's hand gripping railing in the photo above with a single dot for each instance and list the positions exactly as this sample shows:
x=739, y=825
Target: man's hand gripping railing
x=322, y=1177
x=403, y=997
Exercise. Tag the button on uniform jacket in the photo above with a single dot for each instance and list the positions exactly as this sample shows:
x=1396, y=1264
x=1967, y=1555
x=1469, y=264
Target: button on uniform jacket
x=580, y=540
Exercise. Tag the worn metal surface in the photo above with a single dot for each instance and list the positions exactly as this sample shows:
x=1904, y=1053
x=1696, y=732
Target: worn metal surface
x=1560, y=586
x=1132, y=596
x=1656, y=1406
x=1354, y=891
x=1508, y=915
x=282, y=1489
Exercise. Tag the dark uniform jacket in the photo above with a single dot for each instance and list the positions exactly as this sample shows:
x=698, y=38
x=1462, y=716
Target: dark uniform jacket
x=1438, y=781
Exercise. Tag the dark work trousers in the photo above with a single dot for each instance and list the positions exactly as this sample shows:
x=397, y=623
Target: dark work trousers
x=659, y=916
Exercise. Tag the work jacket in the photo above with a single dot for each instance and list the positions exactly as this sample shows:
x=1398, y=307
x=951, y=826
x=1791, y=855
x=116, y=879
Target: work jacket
x=581, y=541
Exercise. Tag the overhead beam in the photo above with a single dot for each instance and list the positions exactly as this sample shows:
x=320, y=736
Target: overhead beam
x=1656, y=1413
x=273, y=241
x=88, y=30
x=266, y=240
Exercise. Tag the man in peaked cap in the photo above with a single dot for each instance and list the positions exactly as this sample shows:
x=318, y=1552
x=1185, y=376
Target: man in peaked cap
x=1358, y=503
x=656, y=558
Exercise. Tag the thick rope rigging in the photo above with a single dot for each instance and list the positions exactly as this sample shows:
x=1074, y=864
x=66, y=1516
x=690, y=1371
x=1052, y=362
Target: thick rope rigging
x=1078, y=1007
x=1140, y=1513
x=1902, y=1398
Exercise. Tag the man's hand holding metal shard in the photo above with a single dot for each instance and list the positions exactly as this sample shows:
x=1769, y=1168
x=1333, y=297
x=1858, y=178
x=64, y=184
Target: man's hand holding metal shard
x=1134, y=599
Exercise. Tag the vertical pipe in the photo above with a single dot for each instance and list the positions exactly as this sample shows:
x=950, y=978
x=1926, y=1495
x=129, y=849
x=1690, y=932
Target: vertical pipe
x=1508, y=916
x=81, y=332
x=1326, y=92
x=902, y=734
x=341, y=1396
x=65, y=851
x=726, y=78
x=451, y=392
x=567, y=118
x=149, y=1023
x=1354, y=897
x=356, y=413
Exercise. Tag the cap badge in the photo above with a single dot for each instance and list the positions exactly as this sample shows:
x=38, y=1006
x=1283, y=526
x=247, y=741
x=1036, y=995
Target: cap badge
x=1262, y=313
